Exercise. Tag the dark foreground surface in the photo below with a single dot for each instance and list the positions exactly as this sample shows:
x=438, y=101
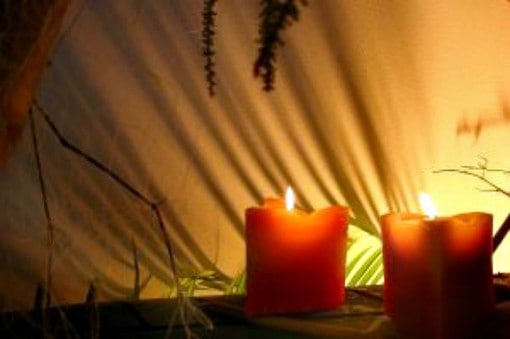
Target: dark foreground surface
x=361, y=317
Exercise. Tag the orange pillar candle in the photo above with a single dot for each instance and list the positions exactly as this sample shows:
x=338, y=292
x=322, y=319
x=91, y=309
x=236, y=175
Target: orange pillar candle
x=438, y=273
x=295, y=261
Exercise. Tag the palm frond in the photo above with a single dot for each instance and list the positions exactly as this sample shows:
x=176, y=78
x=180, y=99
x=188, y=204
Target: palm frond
x=237, y=285
x=364, y=258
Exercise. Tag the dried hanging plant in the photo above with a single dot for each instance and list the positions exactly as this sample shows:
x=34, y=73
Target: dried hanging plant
x=275, y=16
x=208, y=32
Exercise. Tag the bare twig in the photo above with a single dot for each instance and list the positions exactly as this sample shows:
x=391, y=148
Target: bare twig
x=91, y=302
x=136, y=264
x=479, y=172
x=138, y=284
x=93, y=161
x=495, y=188
x=501, y=234
x=49, y=223
x=185, y=307
x=486, y=170
x=46, y=290
x=39, y=297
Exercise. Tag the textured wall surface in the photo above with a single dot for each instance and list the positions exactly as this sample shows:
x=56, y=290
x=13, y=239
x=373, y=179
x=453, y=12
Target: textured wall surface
x=371, y=97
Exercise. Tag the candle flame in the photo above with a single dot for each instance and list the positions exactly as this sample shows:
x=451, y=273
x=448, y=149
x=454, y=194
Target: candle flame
x=427, y=205
x=289, y=199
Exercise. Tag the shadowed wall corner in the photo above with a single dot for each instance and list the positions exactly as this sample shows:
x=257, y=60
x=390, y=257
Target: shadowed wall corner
x=29, y=30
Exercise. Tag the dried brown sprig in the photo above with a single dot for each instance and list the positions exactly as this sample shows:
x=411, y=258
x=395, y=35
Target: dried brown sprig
x=208, y=52
x=480, y=171
x=275, y=16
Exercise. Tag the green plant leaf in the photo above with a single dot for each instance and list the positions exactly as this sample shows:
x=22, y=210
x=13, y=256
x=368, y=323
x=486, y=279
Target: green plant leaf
x=364, y=258
x=238, y=284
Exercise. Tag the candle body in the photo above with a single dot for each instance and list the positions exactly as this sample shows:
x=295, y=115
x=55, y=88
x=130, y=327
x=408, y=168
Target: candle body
x=295, y=262
x=438, y=274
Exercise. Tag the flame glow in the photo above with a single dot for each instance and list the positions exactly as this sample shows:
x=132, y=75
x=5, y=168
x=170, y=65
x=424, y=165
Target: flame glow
x=289, y=199
x=427, y=205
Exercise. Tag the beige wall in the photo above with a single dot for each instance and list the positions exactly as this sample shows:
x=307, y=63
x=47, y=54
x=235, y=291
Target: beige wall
x=368, y=102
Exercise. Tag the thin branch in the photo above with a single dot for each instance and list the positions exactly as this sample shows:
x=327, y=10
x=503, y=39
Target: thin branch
x=91, y=302
x=45, y=294
x=184, y=305
x=473, y=171
x=136, y=264
x=484, y=169
x=501, y=234
x=495, y=187
x=49, y=223
x=138, y=284
x=93, y=161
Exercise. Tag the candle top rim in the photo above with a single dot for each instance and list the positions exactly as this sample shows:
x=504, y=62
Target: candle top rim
x=461, y=218
x=278, y=204
x=413, y=215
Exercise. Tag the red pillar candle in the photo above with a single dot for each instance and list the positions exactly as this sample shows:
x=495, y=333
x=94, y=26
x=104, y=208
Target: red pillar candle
x=438, y=273
x=295, y=262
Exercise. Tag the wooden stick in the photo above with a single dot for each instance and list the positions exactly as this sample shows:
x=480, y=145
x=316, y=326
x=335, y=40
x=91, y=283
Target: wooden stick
x=501, y=234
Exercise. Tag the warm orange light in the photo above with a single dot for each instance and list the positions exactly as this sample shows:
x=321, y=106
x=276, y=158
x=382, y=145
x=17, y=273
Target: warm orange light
x=289, y=199
x=427, y=205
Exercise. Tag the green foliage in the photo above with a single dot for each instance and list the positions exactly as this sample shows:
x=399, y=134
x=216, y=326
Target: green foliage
x=237, y=285
x=364, y=258
x=205, y=281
